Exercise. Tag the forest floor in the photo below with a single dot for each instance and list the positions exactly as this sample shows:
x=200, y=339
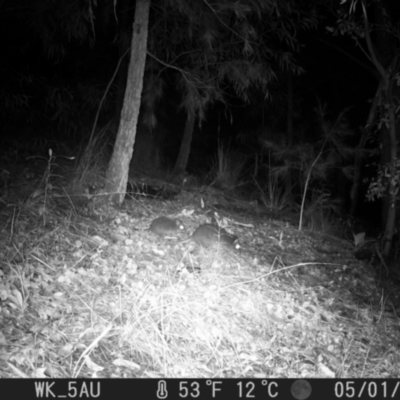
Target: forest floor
x=94, y=294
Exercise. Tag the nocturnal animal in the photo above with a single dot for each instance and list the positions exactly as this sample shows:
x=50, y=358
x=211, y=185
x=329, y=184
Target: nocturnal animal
x=163, y=226
x=207, y=235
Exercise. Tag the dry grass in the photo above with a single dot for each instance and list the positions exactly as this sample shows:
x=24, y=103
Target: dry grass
x=274, y=196
x=99, y=296
x=82, y=298
x=227, y=169
x=322, y=213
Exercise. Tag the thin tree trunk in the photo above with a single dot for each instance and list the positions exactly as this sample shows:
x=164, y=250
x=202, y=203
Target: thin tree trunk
x=393, y=185
x=123, y=47
x=118, y=169
x=289, y=134
x=184, y=151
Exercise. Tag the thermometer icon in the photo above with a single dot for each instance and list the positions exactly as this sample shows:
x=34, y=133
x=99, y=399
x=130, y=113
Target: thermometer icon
x=162, y=390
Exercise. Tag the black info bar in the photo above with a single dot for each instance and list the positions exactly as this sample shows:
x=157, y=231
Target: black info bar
x=198, y=389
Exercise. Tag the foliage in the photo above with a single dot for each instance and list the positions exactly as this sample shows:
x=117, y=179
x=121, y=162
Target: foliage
x=311, y=164
x=380, y=185
x=56, y=23
x=380, y=36
x=330, y=152
x=228, y=48
x=350, y=22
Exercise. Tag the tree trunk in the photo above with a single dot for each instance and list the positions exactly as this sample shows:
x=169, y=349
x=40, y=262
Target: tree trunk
x=393, y=185
x=184, y=151
x=388, y=76
x=289, y=134
x=123, y=47
x=118, y=169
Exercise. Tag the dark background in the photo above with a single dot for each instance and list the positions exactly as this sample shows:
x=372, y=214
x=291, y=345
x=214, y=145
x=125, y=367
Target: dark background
x=50, y=93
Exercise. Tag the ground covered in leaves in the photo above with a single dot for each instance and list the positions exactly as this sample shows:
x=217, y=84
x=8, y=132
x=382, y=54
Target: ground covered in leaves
x=95, y=294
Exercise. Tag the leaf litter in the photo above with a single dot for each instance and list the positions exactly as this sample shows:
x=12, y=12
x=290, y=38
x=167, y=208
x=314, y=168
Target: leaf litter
x=99, y=299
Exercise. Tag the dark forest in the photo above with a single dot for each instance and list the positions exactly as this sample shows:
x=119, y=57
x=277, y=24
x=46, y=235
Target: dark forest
x=189, y=187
